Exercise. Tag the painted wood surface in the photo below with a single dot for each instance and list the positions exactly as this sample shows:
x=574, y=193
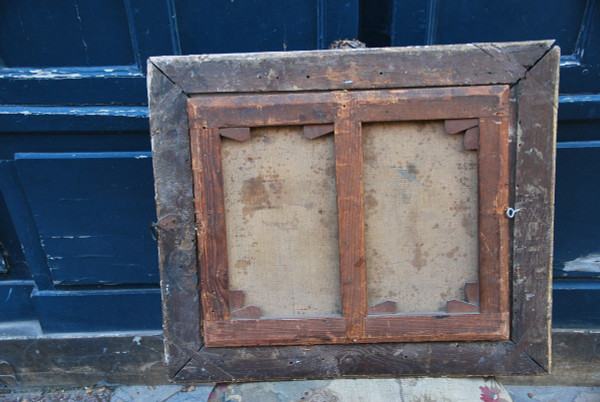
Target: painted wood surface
x=106, y=244
x=85, y=101
x=95, y=101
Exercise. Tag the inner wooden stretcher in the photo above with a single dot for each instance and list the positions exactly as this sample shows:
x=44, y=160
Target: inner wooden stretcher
x=372, y=216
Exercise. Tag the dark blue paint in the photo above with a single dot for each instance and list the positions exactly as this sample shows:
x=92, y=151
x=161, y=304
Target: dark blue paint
x=577, y=144
x=72, y=111
x=15, y=301
x=159, y=28
x=18, y=223
x=72, y=141
x=463, y=21
x=509, y=20
x=580, y=72
x=570, y=132
x=16, y=281
x=15, y=265
x=577, y=225
x=375, y=22
x=26, y=256
x=115, y=77
x=93, y=211
x=206, y=27
x=579, y=119
x=74, y=118
x=38, y=33
x=576, y=304
x=579, y=107
x=98, y=310
x=89, y=86
x=57, y=98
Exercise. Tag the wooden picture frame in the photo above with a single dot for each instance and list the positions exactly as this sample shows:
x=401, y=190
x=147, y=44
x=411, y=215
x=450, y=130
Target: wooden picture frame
x=502, y=96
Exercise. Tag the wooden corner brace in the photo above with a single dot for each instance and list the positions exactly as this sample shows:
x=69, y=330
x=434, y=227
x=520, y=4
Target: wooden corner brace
x=236, y=306
x=472, y=303
x=385, y=307
x=312, y=131
x=471, y=129
x=240, y=134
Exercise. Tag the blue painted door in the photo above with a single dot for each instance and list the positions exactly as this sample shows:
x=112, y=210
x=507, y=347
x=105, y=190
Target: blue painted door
x=575, y=24
x=76, y=188
x=76, y=193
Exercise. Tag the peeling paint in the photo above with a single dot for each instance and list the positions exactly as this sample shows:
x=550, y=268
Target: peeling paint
x=8, y=296
x=70, y=73
x=70, y=237
x=129, y=111
x=588, y=263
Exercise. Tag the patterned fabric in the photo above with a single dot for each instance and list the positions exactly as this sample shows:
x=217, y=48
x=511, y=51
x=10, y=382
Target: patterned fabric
x=367, y=390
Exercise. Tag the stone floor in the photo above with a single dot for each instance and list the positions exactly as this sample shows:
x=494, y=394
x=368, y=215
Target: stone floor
x=368, y=390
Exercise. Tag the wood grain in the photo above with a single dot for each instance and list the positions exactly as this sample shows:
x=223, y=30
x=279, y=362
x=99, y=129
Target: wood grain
x=459, y=306
x=210, y=218
x=262, y=110
x=280, y=331
x=317, y=130
x=430, y=103
x=471, y=139
x=534, y=195
x=174, y=198
x=236, y=299
x=351, y=361
x=349, y=173
x=441, y=327
x=177, y=78
x=457, y=126
x=493, y=223
x=385, y=307
x=431, y=66
x=248, y=312
x=236, y=133
x=472, y=292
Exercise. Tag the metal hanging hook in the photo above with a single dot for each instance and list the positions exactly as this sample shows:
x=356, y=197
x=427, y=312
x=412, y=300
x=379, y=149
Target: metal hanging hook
x=511, y=212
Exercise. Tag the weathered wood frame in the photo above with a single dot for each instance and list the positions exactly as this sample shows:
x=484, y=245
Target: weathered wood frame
x=530, y=69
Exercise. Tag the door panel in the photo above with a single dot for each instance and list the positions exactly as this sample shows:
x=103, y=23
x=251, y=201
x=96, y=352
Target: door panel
x=16, y=281
x=58, y=33
x=80, y=53
x=577, y=226
x=98, y=310
x=93, y=212
x=487, y=21
x=206, y=27
x=72, y=79
x=77, y=190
